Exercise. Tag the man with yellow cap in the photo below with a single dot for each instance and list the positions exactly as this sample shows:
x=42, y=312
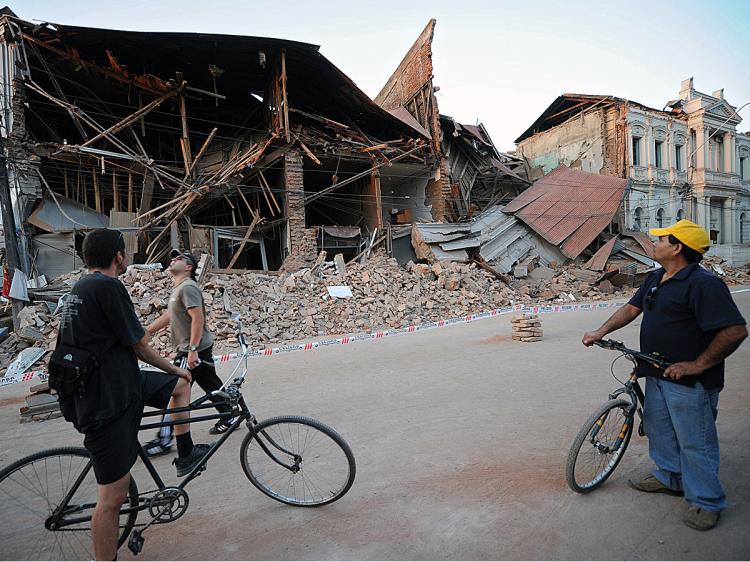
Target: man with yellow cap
x=689, y=316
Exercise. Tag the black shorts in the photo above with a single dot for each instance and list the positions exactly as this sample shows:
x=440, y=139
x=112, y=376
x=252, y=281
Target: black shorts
x=114, y=447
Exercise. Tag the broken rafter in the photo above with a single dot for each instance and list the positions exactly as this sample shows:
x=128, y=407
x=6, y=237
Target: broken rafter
x=202, y=150
x=256, y=220
x=133, y=117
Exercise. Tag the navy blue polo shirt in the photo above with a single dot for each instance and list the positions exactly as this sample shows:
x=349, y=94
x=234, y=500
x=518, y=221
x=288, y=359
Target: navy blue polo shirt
x=681, y=317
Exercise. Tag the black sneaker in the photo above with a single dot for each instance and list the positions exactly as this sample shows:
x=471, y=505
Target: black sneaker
x=188, y=463
x=222, y=426
x=157, y=447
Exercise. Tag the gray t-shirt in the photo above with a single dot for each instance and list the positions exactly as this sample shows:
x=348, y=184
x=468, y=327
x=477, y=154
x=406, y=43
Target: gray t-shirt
x=187, y=295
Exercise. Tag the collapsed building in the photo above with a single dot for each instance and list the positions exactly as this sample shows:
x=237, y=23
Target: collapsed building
x=259, y=152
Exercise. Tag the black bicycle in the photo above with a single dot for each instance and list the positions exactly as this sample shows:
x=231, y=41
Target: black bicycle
x=48, y=498
x=600, y=444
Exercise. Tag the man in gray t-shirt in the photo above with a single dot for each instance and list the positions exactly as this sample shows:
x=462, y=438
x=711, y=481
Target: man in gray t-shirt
x=191, y=338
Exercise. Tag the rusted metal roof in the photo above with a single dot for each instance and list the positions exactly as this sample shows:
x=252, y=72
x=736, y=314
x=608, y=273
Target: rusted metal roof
x=569, y=208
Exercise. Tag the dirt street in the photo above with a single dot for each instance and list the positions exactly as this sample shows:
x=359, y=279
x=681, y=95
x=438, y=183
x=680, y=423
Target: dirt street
x=460, y=436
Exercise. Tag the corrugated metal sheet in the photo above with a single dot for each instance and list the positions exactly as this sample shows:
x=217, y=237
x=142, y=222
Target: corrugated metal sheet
x=644, y=240
x=599, y=260
x=569, y=208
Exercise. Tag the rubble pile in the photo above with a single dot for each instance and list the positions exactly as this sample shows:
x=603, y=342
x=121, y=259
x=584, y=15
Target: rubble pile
x=295, y=306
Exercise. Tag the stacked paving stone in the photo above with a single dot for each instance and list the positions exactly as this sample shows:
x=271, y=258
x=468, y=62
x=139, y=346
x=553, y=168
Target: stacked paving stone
x=526, y=327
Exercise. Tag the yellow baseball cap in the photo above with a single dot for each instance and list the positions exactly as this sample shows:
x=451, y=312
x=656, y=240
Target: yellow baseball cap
x=687, y=232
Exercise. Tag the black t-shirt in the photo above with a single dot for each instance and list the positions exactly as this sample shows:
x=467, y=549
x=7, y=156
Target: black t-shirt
x=99, y=317
x=680, y=318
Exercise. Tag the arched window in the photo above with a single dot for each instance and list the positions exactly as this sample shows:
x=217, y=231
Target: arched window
x=637, y=218
x=743, y=228
x=660, y=218
x=680, y=215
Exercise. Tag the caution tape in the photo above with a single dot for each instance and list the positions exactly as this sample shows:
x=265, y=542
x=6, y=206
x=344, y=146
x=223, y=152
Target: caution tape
x=345, y=340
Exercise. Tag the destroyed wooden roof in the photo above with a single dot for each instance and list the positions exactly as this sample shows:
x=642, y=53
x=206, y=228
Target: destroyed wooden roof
x=233, y=64
x=567, y=105
x=569, y=208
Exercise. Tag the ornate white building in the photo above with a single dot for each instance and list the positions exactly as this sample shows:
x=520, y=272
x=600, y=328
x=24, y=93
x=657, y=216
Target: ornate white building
x=686, y=161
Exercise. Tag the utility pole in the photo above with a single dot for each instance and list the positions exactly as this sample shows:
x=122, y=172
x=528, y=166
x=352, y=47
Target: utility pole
x=9, y=228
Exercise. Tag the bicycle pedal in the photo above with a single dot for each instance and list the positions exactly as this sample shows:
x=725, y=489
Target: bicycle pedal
x=135, y=543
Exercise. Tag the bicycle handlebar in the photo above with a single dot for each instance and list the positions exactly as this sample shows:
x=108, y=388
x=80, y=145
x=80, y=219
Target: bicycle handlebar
x=654, y=359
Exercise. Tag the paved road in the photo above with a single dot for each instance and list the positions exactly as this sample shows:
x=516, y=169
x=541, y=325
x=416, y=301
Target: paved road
x=460, y=436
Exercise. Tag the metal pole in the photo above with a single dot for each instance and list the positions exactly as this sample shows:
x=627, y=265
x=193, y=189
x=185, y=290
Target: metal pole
x=9, y=228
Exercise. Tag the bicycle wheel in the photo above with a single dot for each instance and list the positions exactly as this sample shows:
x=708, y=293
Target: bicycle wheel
x=320, y=465
x=599, y=446
x=32, y=488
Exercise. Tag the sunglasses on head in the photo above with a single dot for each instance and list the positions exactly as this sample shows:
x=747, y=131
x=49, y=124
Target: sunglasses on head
x=651, y=297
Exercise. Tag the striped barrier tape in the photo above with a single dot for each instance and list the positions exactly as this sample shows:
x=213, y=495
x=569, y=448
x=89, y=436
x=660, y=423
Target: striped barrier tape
x=345, y=340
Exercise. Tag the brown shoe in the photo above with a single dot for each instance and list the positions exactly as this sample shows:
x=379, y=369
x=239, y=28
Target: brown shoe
x=651, y=485
x=700, y=519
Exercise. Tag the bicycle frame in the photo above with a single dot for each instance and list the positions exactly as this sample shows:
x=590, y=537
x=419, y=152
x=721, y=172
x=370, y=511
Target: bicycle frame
x=55, y=521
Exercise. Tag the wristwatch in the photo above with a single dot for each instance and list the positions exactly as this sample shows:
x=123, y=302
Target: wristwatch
x=193, y=348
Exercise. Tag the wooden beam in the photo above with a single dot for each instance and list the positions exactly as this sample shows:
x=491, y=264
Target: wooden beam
x=244, y=241
x=65, y=175
x=130, y=192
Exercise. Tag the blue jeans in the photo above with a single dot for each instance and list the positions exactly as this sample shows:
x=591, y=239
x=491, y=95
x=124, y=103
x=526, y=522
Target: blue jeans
x=680, y=423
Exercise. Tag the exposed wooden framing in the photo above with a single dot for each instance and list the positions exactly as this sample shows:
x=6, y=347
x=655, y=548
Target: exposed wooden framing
x=244, y=241
x=115, y=192
x=85, y=192
x=65, y=176
x=287, y=132
x=130, y=192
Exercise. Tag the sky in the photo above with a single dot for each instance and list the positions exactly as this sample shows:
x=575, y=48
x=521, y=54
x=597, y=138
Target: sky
x=501, y=63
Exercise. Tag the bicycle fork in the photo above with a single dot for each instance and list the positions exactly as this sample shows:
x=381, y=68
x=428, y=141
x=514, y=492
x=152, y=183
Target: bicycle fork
x=606, y=449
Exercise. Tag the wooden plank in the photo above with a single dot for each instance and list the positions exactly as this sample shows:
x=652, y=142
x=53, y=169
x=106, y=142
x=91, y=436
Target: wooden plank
x=310, y=155
x=130, y=192
x=504, y=278
x=283, y=94
x=244, y=241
